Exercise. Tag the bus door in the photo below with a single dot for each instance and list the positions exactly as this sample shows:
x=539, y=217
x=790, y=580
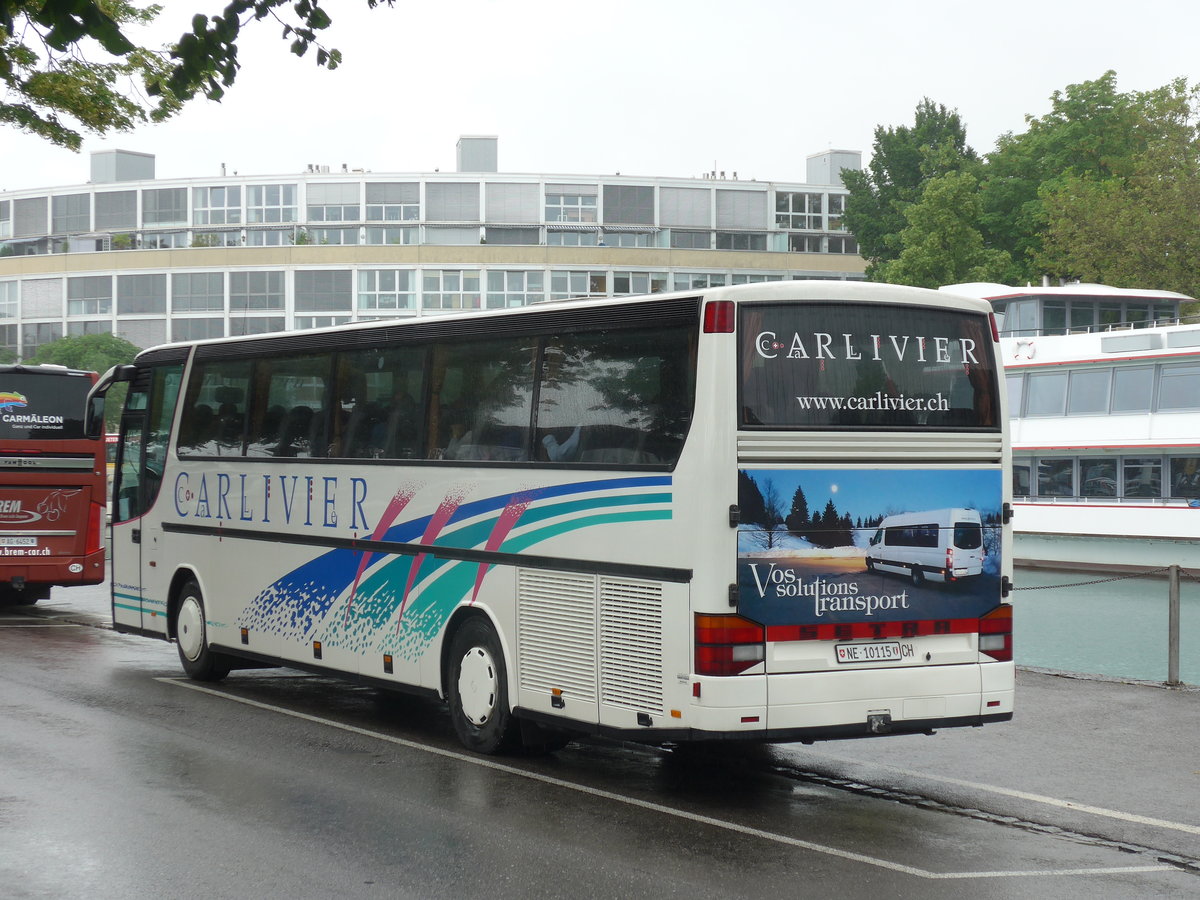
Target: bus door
x=138, y=587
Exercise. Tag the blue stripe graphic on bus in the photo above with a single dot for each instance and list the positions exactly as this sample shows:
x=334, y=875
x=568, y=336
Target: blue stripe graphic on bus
x=349, y=595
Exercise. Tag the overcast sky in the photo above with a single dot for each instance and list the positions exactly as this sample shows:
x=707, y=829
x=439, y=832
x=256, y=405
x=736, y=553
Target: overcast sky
x=640, y=87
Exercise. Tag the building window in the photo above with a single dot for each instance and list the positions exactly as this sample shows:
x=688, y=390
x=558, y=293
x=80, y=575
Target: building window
x=77, y=329
x=628, y=204
x=626, y=283
x=141, y=294
x=333, y=203
x=89, y=295
x=197, y=329
x=837, y=209
x=516, y=288
x=571, y=238
x=304, y=322
x=8, y=299
x=197, y=292
x=386, y=290
x=578, y=284
x=570, y=207
x=795, y=210
x=691, y=281
x=753, y=278
x=255, y=290
x=626, y=239
x=9, y=337
x=217, y=205
x=445, y=235
x=5, y=219
x=332, y=236
x=239, y=325
x=164, y=206
x=452, y=202
x=842, y=244
x=498, y=235
x=390, y=235
x=393, y=202
x=71, y=213
x=165, y=240
x=324, y=290
x=273, y=237
x=450, y=289
x=740, y=240
x=38, y=333
x=116, y=209
x=216, y=239
x=270, y=203
x=691, y=240
x=804, y=243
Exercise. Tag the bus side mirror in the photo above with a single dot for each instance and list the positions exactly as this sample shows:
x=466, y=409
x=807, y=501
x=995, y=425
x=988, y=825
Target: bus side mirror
x=93, y=414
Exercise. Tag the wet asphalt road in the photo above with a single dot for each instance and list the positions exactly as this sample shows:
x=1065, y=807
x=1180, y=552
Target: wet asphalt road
x=119, y=778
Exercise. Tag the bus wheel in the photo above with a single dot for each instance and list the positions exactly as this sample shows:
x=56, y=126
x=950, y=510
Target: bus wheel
x=478, y=690
x=918, y=576
x=198, y=660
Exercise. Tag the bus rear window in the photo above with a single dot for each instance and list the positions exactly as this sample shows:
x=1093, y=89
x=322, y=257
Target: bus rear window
x=860, y=365
x=41, y=406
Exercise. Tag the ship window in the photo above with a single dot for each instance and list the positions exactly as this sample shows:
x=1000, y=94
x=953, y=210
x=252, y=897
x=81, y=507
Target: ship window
x=1056, y=477
x=1088, y=393
x=1179, y=387
x=1132, y=389
x=1047, y=394
x=1142, y=476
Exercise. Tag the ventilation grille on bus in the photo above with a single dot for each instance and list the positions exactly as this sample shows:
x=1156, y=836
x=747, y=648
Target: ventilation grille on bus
x=556, y=633
x=631, y=639
x=905, y=446
x=567, y=623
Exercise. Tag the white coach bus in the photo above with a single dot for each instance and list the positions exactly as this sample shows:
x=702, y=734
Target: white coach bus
x=573, y=517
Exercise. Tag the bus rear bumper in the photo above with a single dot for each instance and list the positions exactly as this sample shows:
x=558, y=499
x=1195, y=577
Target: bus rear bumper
x=863, y=702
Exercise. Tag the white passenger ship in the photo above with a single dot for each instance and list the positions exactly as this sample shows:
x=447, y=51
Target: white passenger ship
x=1104, y=396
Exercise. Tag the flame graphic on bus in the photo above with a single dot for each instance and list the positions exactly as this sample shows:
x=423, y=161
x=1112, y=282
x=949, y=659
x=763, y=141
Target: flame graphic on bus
x=12, y=400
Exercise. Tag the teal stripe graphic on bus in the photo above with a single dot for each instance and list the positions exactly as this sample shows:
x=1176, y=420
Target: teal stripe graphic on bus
x=345, y=598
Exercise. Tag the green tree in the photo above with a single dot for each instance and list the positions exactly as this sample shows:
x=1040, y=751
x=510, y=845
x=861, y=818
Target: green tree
x=941, y=243
x=903, y=158
x=90, y=352
x=93, y=353
x=1092, y=132
x=68, y=67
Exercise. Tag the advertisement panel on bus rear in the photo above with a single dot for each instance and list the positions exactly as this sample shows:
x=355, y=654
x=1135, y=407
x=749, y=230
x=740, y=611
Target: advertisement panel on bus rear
x=829, y=546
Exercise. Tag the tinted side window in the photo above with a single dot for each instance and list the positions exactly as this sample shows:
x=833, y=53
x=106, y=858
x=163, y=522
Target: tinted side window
x=480, y=400
x=378, y=413
x=214, y=412
x=616, y=397
x=290, y=415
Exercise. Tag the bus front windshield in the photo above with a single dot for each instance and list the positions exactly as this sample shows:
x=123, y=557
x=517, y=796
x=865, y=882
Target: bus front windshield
x=865, y=365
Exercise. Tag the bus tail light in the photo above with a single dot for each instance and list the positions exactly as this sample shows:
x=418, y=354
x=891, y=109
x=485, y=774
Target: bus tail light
x=718, y=317
x=94, y=540
x=727, y=645
x=995, y=328
x=995, y=634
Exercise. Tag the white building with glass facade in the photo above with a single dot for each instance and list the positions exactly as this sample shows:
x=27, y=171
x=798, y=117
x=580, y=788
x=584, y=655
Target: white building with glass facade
x=157, y=260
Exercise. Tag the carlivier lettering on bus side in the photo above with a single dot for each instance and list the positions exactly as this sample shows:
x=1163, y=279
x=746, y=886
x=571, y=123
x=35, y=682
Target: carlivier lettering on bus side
x=323, y=500
x=825, y=345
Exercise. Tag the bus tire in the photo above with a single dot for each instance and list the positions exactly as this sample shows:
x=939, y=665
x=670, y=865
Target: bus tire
x=191, y=638
x=918, y=577
x=477, y=689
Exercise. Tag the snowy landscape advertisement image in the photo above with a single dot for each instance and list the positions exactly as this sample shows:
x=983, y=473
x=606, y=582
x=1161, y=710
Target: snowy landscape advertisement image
x=824, y=546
